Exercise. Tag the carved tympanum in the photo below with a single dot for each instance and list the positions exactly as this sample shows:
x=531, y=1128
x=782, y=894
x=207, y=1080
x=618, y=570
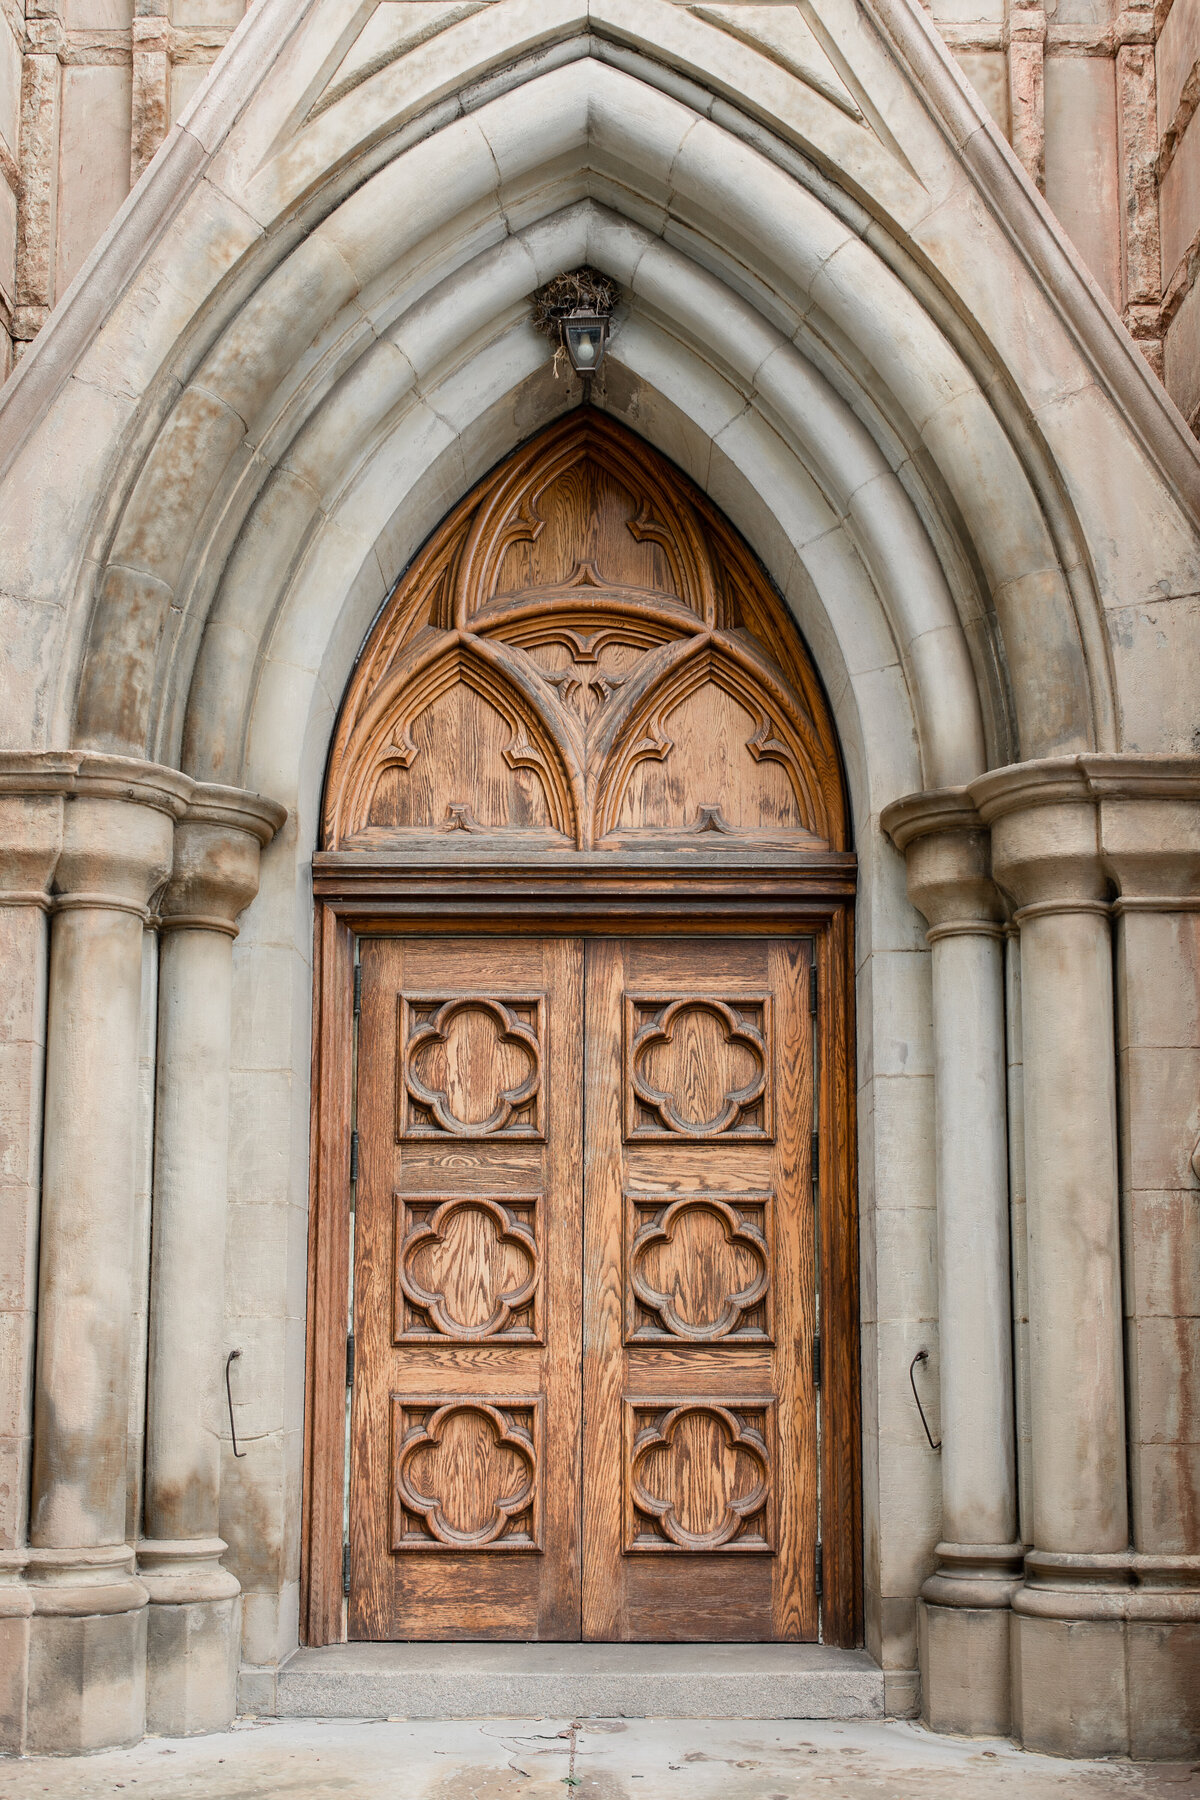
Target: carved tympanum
x=467, y=1269
x=697, y=1067
x=471, y=1067
x=466, y=1474
x=699, y=1476
x=698, y=1269
x=584, y=657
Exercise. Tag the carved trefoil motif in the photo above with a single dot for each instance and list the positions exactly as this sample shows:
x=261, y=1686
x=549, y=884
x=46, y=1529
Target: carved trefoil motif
x=700, y=1475
x=466, y=1473
x=698, y=1066
x=468, y=1270
x=471, y=1066
x=698, y=1268
x=584, y=658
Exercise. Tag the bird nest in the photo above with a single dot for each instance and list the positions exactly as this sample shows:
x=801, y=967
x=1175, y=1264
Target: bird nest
x=584, y=290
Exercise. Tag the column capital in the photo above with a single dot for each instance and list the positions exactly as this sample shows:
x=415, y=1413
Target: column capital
x=80, y=828
x=1068, y=831
x=948, y=857
x=118, y=820
x=1045, y=835
x=214, y=873
x=1149, y=828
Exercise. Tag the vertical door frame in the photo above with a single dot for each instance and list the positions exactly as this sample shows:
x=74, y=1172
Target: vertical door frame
x=361, y=894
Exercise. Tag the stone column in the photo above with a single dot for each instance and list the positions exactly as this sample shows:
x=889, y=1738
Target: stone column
x=1137, y=171
x=964, y=1618
x=1068, y=1656
x=151, y=120
x=1150, y=840
x=87, y=1632
x=31, y=810
x=193, y=1620
x=1025, y=40
x=37, y=210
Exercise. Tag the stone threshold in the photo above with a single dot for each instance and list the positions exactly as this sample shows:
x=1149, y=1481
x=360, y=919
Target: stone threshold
x=515, y=1681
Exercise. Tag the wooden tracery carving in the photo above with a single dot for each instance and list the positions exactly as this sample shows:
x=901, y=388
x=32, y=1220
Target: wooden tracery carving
x=699, y=1475
x=466, y=1474
x=471, y=1066
x=698, y=1066
x=468, y=1270
x=586, y=657
x=698, y=1268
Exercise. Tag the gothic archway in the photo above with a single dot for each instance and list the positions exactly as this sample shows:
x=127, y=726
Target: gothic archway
x=585, y=847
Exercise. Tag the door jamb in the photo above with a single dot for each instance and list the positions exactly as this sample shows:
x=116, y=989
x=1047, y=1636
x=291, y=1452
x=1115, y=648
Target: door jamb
x=376, y=896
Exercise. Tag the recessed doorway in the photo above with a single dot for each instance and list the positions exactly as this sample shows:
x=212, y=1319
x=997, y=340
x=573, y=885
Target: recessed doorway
x=583, y=1114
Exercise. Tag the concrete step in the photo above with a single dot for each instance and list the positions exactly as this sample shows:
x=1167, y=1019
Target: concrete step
x=634, y=1681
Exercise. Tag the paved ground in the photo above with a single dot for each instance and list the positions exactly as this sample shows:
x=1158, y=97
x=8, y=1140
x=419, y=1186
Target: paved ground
x=637, y=1759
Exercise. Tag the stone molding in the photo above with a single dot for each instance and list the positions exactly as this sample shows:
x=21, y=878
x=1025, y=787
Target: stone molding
x=948, y=861
x=214, y=876
x=1068, y=831
x=185, y=1573
x=84, y=1582
x=1124, y=1584
x=971, y=1575
x=218, y=834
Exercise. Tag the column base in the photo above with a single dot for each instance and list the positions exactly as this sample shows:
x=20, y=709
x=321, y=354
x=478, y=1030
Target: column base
x=193, y=1638
x=87, y=1683
x=1110, y=1666
x=16, y=1609
x=963, y=1625
x=86, y=1670
x=965, y=1669
x=192, y=1666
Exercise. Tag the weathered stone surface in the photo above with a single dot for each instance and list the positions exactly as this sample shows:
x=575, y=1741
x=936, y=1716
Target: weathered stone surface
x=844, y=314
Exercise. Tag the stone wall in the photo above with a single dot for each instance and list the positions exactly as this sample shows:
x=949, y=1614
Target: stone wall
x=308, y=337
x=88, y=91
x=1096, y=98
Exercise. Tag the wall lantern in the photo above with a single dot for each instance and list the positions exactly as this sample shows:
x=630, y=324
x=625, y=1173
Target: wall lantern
x=575, y=312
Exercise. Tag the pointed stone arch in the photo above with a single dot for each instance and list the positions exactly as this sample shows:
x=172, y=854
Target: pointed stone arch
x=852, y=324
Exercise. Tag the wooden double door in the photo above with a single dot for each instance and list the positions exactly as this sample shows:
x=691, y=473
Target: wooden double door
x=584, y=1290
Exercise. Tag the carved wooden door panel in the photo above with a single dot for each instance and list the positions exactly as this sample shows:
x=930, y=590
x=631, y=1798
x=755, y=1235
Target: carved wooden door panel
x=700, y=1442
x=583, y=1402
x=465, y=1440
x=585, y=1268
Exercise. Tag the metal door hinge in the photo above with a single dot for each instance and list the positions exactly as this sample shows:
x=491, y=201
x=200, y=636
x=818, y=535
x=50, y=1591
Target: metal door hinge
x=818, y=1569
x=345, y=1568
x=350, y=1360
x=814, y=987
x=357, y=989
x=816, y=1157
x=816, y=1359
x=353, y=1157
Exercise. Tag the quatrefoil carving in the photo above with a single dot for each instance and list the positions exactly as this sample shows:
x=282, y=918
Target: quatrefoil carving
x=466, y=1474
x=467, y=1269
x=698, y=1067
x=699, y=1476
x=699, y=1268
x=472, y=1067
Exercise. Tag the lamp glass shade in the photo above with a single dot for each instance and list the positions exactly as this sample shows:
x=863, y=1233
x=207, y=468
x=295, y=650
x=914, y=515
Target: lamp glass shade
x=586, y=338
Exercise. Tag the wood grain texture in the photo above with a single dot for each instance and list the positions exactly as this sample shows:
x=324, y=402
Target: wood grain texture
x=838, y=1218
x=584, y=657
x=464, y=1495
x=683, y=1459
x=584, y=731
x=626, y=1187
x=321, y=1600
